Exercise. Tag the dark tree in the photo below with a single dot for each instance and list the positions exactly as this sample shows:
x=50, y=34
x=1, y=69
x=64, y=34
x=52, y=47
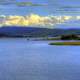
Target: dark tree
x=69, y=37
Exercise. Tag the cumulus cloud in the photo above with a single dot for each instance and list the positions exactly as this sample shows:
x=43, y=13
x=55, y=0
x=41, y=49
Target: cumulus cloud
x=34, y=20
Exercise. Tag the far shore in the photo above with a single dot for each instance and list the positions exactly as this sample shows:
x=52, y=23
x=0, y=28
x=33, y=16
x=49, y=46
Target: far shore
x=66, y=43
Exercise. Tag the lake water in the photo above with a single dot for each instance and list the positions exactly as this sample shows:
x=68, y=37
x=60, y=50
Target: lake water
x=36, y=60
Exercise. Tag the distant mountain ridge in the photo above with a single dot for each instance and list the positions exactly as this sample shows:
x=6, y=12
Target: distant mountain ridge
x=35, y=32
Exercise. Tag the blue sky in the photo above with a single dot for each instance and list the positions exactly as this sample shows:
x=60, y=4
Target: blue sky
x=34, y=1
x=53, y=7
x=56, y=7
x=13, y=9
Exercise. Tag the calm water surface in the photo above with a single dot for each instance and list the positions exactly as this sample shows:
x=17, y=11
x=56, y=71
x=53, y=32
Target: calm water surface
x=36, y=60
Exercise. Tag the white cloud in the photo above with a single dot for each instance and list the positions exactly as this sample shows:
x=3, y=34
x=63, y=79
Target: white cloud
x=34, y=20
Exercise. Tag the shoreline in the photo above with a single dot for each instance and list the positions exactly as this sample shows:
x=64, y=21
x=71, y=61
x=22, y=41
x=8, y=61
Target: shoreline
x=66, y=43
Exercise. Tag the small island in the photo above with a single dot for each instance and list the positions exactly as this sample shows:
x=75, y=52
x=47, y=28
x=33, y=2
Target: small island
x=73, y=40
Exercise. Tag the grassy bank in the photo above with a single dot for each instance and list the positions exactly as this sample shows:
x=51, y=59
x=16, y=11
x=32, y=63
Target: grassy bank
x=65, y=43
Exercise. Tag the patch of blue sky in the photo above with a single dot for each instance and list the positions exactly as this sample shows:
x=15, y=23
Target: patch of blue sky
x=23, y=10
x=33, y=1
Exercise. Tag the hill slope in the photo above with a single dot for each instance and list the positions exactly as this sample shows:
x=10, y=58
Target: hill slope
x=35, y=32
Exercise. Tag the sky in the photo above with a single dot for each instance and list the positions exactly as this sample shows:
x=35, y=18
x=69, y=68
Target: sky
x=34, y=1
x=11, y=8
x=55, y=7
x=44, y=9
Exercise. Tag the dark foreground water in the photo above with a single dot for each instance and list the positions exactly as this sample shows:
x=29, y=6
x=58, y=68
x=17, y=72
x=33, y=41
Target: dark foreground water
x=36, y=60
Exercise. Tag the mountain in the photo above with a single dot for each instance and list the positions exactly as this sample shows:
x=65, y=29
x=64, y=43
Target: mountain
x=35, y=32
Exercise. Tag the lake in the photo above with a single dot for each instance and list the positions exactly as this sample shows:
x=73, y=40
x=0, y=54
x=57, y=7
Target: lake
x=21, y=59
